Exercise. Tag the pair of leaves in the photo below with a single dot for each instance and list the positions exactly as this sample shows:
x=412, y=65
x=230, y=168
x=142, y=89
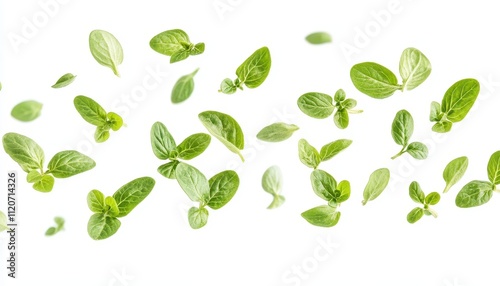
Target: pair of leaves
x=104, y=222
x=164, y=147
x=418, y=196
x=55, y=229
x=214, y=193
x=277, y=132
x=251, y=73
x=94, y=114
x=402, y=130
x=326, y=187
x=320, y=105
x=27, y=110
x=272, y=182
x=106, y=50
x=225, y=128
x=476, y=193
x=30, y=157
x=379, y=82
x=175, y=43
x=318, y=38
x=183, y=87
x=377, y=183
x=456, y=103
x=64, y=80
x=310, y=157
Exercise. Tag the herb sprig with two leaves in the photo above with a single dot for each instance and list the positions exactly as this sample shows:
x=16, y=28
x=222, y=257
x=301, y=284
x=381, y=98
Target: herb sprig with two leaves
x=165, y=148
x=418, y=196
x=55, y=229
x=30, y=157
x=272, y=182
x=104, y=222
x=310, y=156
x=176, y=44
x=402, y=130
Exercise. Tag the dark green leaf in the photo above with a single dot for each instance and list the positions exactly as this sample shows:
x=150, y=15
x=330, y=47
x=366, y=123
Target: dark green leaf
x=255, y=69
x=223, y=186
x=162, y=141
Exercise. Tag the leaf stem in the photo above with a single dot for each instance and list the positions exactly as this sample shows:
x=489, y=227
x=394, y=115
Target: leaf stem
x=400, y=153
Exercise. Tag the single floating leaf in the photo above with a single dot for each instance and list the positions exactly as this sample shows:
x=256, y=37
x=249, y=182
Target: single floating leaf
x=27, y=110
x=318, y=38
x=64, y=80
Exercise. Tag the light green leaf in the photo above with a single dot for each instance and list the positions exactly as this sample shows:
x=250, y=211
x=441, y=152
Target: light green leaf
x=255, y=69
x=50, y=231
x=69, y=163
x=415, y=214
x=341, y=118
x=33, y=176
x=454, y=171
x=435, y=112
x=227, y=86
x=316, y=104
x=112, y=205
x=168, y=169
x=27, y=110
x=474, y=194
x=402, y=127
x=90, y=110
x=95, y=201
x=377, y=183
x=272, y=180
x=183, y=88
x=494, y=168
x=193, y=146
x=24, y=151
x=278, y=200
x=169, y=42
x=223, y=186
x=414, y=68
x=3, y=222
x=101, y=134
x=115, y=121
x=331, y=149
x=417, y=150
x=197, y=217
x=432, y=198
x=308, y=155
x=45, y=184
x=318, y=38
x=323, y=184
x=339, y=95
x=59, y=222
x=162, y=141
x=343, y=192
x=193, y=182
x=65, y=80
x=198, y=49
x=442, y=126
x=416, y=193
x=374, y=80
x=350, y=104
x=324, y=216
x=459, y=99
x=179, y=56
x=277, y=132
x=224, y=128
x=102, y=226
x=106, y=49
x=132, y=193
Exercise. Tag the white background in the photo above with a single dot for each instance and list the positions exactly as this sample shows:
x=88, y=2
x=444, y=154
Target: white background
x=244, y=243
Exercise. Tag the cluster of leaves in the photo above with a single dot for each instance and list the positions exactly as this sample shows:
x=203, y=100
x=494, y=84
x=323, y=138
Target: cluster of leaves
x=402, y=130
x=418, y=196
x=104, y=222
x=165, y=148
x=175, y=44
x=320, y=105
x=94, y=114
x=272, y=182
x=55, y=229
x=30, y=157
x=310, y=157
x=277, y=132
x=379, y=82
x=214, y=193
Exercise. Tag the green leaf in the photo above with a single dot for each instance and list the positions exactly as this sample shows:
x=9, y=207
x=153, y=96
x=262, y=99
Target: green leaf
x=350, y=104
x=33, y=176
x=131, y=194
x=277, y=132
x=454, y=171
x=169, y=42
x=179, y=56
x=324, y=216
x=115, y=121
x=432, y=198
x=24, y=151
x=50, y=231
x=59, y=222
x=90, y=110
x=101, y=134
x=95, y=201
x=183, y=88
x=3, y=222
x=168, y=169
x=435, y=112
x=193, y=146
x=224, y=128
x=69, y=163
x=331, y=149
x=45, y=184
x=227, y=86
x=198, y=49
x=344, y=192
x=377, y=183
x=318, y=38
x=402, y=127
x=316, y=104
x=494, y=168
x=106, y=49
x=415, y=214
x=417, y=150
x=197, y=217
x=193, y=183
x=272, y=180
x=323, y=184
x=223, y=186
x=65, y=80
x=374, y=80
x=278, y=200
x=162, y=141
x=416, y=193
x=27, y=110
x=474, y=194
x=113, y=206
x=308, y=155
x=442, y=126
x=339, y=95
x=102, y=226
x=254, y=70
x=414, y=68
x=459, y=99
x=341, y=118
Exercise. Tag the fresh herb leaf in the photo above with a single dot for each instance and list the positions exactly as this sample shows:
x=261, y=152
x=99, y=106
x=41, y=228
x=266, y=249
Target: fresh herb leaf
x=272, y=182
x=474, y=193
x=454, y=171
x=106, y=49
x=69, y=163
x=95, y=201
x=193, y=146
x=26, y=152
x=183, y=88
x=162, y=141
x=402, y=130
x=414, y=68
x=64, y=80
x=416, y=193
x=417, y=150
x=175, y=43
x=277, y=132
x=415, y=215
x=374, y=80
x=318, y=38
x=193, y=183
x=333, y=148
x=315, y=104
x=432, y=198
x=494, y=168
x=27, y=110
x=308, y=155
x=324, y=216
x=131, y=194
x=223, y=187
x=59, y=226
x=377, y=183
x=323, y=184
x=197, y=217
x=224, y=128
x=418, y=196
x=45, y=184
x=102, y=226
x=168, y=170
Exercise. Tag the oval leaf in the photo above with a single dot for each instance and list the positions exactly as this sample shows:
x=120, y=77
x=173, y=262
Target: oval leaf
x=197, y=217
x=402, y=127
x=417, y=150
x=90, y=110
x=377, y=183
x=374, y=80
x=318, y=38
x=162, y=141
x=169, y=42
x=415, y=214
x=223, y=186
x=324, y=216
x=131, y=194
x=341, y=118
x=316, y=104
x=308, y=155
x=193, y=146
x=272, y=180
x=323, y=184
x=168, y=169
x=416, y=193
x=102, y=226
x=277, y=132
x=106, y=49
x=414, y=68
x=26, y=152
x=474, y=194
x=183, y=88
x=95, y=201
x=454, y=171
x=331, y=149
x=494, y=168
x=254, y=70
x=45, y=184
x=65, y=80
x=27, y=110
x=193, y=182
x=459, y=99
x=69, y=163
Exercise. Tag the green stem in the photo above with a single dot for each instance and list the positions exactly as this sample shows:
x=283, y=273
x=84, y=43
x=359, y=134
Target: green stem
x=400, y=153
x=434, y=214
x=446, y=189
